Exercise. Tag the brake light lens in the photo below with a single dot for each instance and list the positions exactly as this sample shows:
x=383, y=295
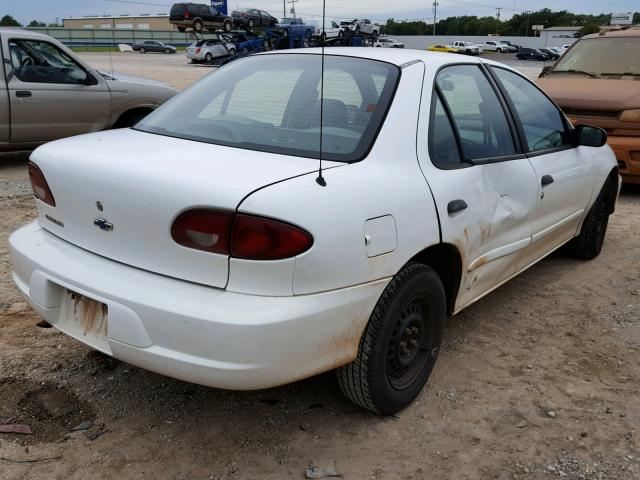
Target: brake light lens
x=259, y=238
x=40, y=186
x=203, y=229
x=248, y=237
x=187, y=15
x=198, y=50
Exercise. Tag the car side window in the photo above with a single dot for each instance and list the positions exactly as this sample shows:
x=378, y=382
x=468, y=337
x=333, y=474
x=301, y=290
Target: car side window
x=477, y=113
x=442, y=139
x=543, y=123
x=42, y=62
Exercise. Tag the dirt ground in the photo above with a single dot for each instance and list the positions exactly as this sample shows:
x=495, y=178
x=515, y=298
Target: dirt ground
x=539, y=380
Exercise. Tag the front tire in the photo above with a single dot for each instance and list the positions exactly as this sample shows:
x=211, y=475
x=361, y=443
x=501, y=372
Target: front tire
x=143, y=50
x=400, y=344
x=588, y=244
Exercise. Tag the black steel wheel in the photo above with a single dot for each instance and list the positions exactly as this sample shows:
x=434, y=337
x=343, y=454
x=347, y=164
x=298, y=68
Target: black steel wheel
x=589, y=243
x=400, y=345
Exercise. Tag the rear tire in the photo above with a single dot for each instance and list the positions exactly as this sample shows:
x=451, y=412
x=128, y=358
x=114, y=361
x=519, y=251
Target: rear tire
x=208, y=58
x=143, y=50
x=197, y=26
x=227, y=26
x=588, y=244
x=251, y=23
x=400, y=344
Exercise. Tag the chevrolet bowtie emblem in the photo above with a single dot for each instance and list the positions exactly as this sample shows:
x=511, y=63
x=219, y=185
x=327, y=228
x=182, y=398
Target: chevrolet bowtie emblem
x=102, y=224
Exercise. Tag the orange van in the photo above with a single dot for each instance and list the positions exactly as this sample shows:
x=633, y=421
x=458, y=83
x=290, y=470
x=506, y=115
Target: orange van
x=597, y=82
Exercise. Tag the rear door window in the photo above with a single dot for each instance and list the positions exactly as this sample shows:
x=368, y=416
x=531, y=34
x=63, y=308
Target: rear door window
x=476, y=112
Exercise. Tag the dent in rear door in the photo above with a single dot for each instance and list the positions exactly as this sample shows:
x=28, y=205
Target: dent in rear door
x=484, y=208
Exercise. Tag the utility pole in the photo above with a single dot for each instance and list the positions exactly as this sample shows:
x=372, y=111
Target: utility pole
x=284, y=8
x=293, y=7
x=498, y=10
x=435, y=15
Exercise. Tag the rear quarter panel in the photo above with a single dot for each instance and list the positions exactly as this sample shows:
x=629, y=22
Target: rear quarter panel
x=5, y=117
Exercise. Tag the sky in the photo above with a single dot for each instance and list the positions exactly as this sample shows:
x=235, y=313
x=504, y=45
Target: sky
x=49, y=10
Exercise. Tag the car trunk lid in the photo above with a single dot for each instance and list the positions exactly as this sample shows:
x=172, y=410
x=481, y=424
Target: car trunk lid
x=117, y=194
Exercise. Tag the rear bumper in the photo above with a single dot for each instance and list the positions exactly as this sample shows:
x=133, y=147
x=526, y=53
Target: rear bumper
x=627, y=151
x=192, y=332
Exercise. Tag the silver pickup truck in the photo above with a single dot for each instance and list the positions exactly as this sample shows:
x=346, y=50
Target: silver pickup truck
x=47, y=92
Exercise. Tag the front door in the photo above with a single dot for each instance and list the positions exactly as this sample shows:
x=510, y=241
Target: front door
x=50, y=94
x=483, y=185
x=564, y=173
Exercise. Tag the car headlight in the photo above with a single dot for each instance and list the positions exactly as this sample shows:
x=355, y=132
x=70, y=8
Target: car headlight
x=630, y=116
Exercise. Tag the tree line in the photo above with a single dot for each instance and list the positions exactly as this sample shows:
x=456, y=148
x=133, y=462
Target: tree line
x=518, y=25
x=9, y=21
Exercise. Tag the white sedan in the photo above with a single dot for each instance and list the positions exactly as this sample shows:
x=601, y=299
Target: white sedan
x=205, y=244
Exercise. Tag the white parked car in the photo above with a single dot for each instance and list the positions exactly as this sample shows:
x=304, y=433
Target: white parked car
x=466, y=48
x=386, y=42
x=329, y=29
x=210, y=49
x=493, y=46
x=204, y=244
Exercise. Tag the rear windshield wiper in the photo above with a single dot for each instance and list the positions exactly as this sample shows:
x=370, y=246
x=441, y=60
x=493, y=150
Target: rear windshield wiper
x=572, y=70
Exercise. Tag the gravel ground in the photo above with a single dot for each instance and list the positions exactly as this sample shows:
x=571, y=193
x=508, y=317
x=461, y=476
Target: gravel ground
x=539, y=380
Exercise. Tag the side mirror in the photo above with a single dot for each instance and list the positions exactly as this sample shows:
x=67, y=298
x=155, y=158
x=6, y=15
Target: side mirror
x=588, y=136
x=90, y=80
x=545, y=71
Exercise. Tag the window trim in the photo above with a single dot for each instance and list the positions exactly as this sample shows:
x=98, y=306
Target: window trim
x=523, y=137
x=511, y=121
x=11, y=75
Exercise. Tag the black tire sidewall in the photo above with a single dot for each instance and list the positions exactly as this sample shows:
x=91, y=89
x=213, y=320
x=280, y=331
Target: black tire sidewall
x=426, y=282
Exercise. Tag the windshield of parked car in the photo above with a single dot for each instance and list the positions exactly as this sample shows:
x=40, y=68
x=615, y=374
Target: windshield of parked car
x=602, y=56
x=271, y=103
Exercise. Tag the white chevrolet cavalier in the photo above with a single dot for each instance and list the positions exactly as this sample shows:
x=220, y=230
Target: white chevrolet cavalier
x=201, y=243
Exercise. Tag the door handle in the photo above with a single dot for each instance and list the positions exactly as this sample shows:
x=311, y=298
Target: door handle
x=23, y=93
x=547, y=180
x=456, y=206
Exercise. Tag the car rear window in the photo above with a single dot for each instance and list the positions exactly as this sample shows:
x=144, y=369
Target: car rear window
x=271, y=103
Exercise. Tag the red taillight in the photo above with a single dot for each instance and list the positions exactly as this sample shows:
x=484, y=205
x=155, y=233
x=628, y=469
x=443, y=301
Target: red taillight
x=242, y=236
x=258, y=238
x=198, y=50
x=202, y=229
x=40, y=186
x=187, y=15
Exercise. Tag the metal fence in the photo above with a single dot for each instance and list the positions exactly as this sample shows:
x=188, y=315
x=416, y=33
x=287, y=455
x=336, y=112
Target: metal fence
x=106, y=37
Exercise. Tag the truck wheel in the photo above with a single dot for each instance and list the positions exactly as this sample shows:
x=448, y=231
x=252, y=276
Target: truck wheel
x=197, y=26
x=251, y=23
x=400, y=344
x=588, y=244
x=227, y=26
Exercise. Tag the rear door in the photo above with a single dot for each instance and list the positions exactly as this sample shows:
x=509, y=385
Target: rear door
x=564, y=173
x=482, y=183
x=48, y=95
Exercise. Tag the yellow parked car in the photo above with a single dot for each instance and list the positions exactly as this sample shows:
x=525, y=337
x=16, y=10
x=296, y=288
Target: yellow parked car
x=442, y=48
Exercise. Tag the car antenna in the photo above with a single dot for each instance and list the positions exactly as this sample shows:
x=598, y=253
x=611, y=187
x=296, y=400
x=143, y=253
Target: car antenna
x=323, y=36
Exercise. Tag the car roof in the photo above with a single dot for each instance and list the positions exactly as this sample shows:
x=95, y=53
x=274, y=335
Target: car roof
x=397, y=57
x=23, y=31
x=622, y=32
